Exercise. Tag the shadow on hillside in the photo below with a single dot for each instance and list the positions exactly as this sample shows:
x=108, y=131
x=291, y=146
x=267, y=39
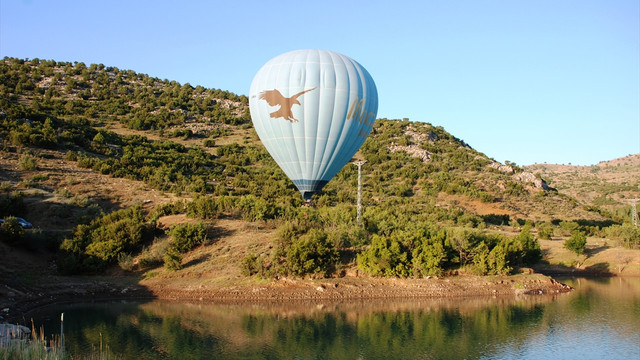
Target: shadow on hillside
x=215, y=233
x=595, y=250
x=200, y=259
x=598, y=269
x=601, y=268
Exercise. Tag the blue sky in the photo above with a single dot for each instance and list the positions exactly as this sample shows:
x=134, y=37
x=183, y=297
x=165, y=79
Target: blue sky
x=526, y=81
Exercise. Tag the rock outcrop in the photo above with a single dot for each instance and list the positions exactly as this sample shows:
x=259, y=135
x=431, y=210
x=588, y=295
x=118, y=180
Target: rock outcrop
x=528, y=177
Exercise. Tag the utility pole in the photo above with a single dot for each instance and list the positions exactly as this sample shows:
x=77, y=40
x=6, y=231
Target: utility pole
x=359, y=165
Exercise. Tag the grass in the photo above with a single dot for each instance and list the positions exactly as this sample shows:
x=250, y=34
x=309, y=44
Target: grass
x=38, y=347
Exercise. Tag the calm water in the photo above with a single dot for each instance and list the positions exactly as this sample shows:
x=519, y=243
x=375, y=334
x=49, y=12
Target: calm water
x=599, y=320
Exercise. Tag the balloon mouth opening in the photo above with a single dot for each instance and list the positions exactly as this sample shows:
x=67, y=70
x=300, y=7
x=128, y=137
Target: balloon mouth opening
x=309, y=187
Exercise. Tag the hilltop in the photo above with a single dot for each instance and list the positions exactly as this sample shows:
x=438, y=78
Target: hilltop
x=149, y=181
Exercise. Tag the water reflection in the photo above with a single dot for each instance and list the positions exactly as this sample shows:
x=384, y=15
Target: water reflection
x=563, y=326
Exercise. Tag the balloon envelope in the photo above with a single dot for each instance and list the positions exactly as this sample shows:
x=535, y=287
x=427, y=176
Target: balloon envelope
x=312, y=110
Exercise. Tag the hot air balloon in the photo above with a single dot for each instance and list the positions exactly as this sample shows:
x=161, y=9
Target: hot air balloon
x=312, y=110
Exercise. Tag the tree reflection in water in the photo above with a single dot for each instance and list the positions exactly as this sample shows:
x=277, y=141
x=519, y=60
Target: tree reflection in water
x=372, y=329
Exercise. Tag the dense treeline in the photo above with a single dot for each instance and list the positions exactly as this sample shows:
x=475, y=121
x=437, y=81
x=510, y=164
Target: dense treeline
x=406, y=230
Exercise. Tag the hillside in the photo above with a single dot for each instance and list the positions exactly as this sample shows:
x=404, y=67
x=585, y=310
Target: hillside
x=124, y=174
x=608, y=184
x=415, y=162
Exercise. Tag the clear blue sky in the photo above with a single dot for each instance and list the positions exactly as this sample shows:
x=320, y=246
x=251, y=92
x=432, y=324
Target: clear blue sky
x=526, y=81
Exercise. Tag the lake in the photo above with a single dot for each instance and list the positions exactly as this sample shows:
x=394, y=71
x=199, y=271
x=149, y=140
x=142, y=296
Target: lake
x=599, y=320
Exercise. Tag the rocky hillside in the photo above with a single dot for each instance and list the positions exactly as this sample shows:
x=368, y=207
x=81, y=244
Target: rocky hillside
x=65, y=111
x=609, y=184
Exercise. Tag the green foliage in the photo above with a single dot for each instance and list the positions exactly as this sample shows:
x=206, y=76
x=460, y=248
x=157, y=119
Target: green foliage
x=28, y=162
x=312, y=253
x=249, y=266
x=386, y=257
x=429, y=258
x=527, y=247
x=545, y=230
x=98, y=244
x=568, y=227
x=173, y=259
x=626, y=234
x=186, y=237
x=11, y=232
x=576, y=242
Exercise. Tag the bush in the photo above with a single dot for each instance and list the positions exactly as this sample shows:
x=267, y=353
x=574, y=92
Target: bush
x=71, y=156
x=527, y=247
x=576, y=242
x=187, y=236
x=173, y=259
x=545, y=230
x=385, y=257
x=125, y=261
x=98, y=244
x=429, y=258
x=249, y=265
x=28, y=162
x=312, y=253
x=11, y=232
x=498, y=261
x=626, y=234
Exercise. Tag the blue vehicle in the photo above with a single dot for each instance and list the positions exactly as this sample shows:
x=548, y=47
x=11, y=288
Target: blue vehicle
x=22, y=222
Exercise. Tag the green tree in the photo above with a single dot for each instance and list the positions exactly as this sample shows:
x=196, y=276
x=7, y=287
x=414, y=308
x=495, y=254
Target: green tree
x=185, y=237
x=385, y=257
x=172, y=259
x=545, y=230
x=312, y=253
x=576, y=242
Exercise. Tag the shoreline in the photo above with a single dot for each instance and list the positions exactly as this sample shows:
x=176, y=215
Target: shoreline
x=61, y=290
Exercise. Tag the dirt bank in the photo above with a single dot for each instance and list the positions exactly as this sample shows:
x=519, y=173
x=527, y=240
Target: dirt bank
x=16, y=304
x=364, y=288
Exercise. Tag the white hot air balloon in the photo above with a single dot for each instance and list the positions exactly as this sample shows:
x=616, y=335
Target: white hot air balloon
x=312, y=110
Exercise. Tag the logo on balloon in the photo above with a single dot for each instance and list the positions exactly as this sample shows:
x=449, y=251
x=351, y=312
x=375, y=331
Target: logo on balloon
x=358, y=112
x=275, y=98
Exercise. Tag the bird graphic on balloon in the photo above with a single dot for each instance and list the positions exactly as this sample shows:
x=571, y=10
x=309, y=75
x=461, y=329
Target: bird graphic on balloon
x=275, y=98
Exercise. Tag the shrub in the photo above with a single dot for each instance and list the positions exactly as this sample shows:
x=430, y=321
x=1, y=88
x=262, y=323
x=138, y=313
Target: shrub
x=98, y=244
x=312, y=253
x=28, y=162
x=545, y=230
x=576, y=242
x=126, y=262
x=11, y=232
x=429, y=258
x=626, y=234
x=71, y=156
x=527, y=247
x=249, y=265
x=173, y=259
x=187, y=236
x=498, y=260
x=385, y=257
